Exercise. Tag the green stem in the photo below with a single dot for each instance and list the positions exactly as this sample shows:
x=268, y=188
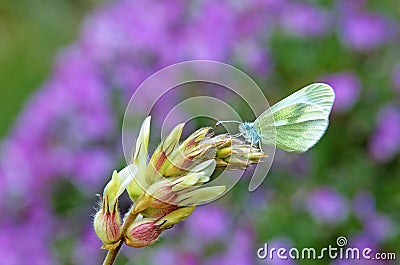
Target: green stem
x=113, y=253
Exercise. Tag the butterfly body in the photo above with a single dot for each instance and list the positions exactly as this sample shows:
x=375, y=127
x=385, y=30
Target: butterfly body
x=249, y=133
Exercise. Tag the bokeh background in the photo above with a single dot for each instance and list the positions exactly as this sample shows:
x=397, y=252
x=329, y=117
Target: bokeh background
x=68, y=69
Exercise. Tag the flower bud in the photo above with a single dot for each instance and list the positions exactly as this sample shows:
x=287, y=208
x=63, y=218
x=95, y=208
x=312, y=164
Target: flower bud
x=107, y=226
x=224, y=152
x=158, y=196
x=175, y=217
x=195, y=138
x=136, y=186
x=160, y=160
x=159, y=212
x=234, y=153
x=193, y=151
x=116, y=186
x=146, y=232
x=142, y=233
x=165, y=192
x=183, y=162
x=107, y=221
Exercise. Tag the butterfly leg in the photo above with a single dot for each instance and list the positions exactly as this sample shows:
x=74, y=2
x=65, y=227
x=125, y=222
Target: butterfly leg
x=259, y=146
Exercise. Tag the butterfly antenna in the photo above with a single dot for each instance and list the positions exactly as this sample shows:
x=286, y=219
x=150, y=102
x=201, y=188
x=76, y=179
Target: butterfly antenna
x=220, y=122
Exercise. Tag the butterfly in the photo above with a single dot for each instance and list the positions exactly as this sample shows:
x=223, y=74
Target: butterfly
x=294, y=124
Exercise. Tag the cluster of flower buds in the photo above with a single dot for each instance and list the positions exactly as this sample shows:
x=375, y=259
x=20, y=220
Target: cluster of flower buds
x=234, y=153
x=166, y=189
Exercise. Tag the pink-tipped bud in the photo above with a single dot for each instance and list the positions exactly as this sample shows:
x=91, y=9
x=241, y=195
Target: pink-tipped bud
x=143, y=233
x=107, y=226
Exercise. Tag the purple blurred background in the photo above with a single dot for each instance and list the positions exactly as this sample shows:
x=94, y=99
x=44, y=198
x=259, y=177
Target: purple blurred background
x=63, y=145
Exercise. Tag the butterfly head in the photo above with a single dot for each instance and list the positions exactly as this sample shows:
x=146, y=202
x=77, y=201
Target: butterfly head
x=249, y=133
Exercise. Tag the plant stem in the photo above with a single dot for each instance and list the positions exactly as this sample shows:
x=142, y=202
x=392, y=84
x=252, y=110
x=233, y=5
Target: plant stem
x=113, y=253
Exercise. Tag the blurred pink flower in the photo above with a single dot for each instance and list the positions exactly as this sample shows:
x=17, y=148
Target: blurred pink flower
x=208, y=224
x=364, y=31
x=363, y=205
x=376, y=225
x=240, y=250
x=172, y=256
x=327, y=206
x=305, y=20
x=385, y=141
x=277, y=243
x=250, y=55
x=88, y=246
x=347, y=88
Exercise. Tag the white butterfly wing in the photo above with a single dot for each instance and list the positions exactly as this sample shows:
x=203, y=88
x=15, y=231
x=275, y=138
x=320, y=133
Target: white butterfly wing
x=300, y=120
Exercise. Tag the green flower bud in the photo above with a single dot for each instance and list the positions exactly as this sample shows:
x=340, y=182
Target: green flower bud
x=107, y=226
